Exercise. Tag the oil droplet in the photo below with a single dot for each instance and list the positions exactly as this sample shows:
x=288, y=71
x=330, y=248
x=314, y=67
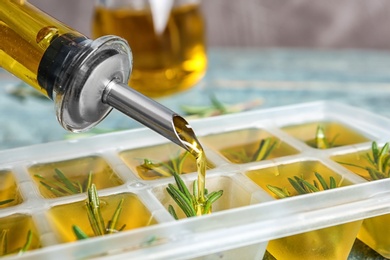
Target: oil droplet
x=46, y=35
x=277, y=173
x=357, y=156
x=170, y=74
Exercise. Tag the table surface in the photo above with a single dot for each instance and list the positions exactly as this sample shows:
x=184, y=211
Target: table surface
x=276, y=76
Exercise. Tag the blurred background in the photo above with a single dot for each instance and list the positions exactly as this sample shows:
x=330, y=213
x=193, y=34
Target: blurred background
x=269, y=23
x=261, y=53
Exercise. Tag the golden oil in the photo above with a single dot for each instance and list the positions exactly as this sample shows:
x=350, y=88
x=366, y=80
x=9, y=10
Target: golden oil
x=76, y=170
x=26, y=33
x=240, y=146
x=374, y=233
x=17, y=227
x=134, y=215
x=341, y=134
x=358, y=158
x=374, y=230
x=9, y=189
x=278, y=175
x=163, y=63
x=187, y=137
x=166, y=154
x=327, y=243
x=237, y=196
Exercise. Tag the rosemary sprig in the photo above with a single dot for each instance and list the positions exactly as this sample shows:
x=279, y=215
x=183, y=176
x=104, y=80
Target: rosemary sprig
x=379, y=161
x=4, y=243
x=321, y=141
x=62, y=185
x=166, y=169
x=266, y=146
x=217, y=108
x=264, y=150
x=98, y=225
x=3, y=202
x=22, y=91
x=27, y=244
x=302, y=186
x=189, y=203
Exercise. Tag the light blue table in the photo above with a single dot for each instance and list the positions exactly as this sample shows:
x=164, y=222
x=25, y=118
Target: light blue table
x=278, y=77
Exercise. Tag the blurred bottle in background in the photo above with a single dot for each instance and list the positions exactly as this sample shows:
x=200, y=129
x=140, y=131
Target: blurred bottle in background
x=168, y=42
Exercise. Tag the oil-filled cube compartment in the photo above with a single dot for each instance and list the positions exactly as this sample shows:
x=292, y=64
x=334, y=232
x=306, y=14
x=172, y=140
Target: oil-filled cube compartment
x=160, y=161
x=372, y=164
x=301, y=178
x=98, y=216
x=234, y=195
x=248, y=145
x=69, y=177
x=19, y=235
x=325, y=134
x=9, y=190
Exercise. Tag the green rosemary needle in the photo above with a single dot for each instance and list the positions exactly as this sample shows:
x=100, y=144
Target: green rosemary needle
x=379, y=162
x=166, y=169
x=217, y=108
x=302, y=186
x=27, y=244
x=62, y=185
x=3, y=202
x=321, y=141
x=189, y=203
x=98, y=225
x=4, y=243
x=262, y=152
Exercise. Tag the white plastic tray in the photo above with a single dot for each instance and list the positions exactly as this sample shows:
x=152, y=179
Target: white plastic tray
x=255, y=216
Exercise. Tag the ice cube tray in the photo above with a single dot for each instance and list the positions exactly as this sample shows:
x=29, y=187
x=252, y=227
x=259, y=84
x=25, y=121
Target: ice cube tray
x=243, y=221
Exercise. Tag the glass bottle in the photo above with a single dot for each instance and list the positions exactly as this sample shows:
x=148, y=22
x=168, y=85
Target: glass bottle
x=169, y=53
x=85, y=78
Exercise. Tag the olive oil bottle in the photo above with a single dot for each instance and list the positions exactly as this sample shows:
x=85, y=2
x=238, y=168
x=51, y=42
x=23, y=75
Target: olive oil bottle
x=164, y=63
x=26, y=33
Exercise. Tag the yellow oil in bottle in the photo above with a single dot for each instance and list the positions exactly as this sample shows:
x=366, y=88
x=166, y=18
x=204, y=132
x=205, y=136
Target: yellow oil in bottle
x=9, y=190
x=14, y=230
x=26, y=33
x=327, y=243
x=134, y=215
x=163, y=63
x=76, y=170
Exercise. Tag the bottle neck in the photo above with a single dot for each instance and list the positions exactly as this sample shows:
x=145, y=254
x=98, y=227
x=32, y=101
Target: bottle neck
x=75, y=72
x=61, y=53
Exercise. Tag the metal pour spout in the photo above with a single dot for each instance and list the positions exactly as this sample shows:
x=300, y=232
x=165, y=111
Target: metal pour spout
x=95, y=81
x=145, y=110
